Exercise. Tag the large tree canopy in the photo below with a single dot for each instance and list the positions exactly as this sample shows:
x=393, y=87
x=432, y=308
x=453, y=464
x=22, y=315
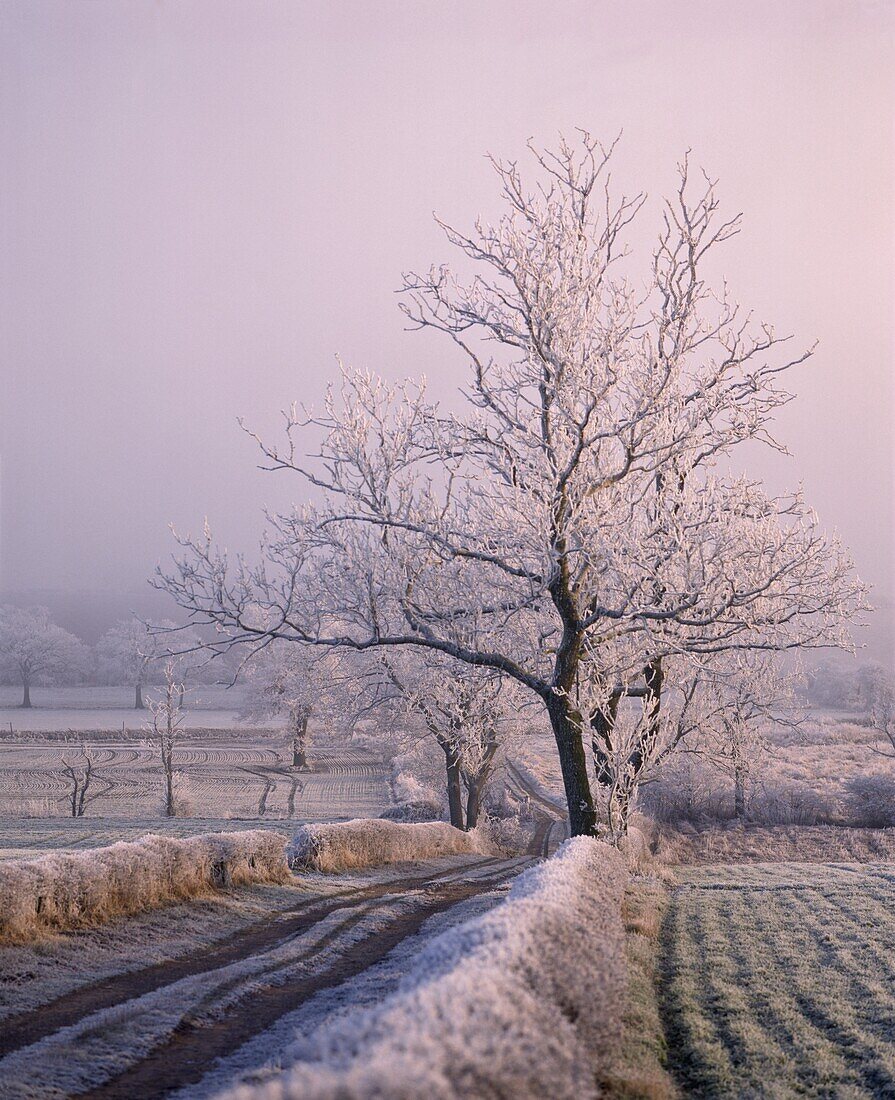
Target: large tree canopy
x=575, y=526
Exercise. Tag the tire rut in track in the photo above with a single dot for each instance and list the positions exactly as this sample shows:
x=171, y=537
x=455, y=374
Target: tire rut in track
x=28, y=1027
x=193, y=1047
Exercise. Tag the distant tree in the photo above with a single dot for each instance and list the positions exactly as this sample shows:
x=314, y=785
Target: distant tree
x=134, y=652
x=35, y=650
x=127, y=652
x=290, y=682
x=166, y=728
x=879, y=698
x=749, y=693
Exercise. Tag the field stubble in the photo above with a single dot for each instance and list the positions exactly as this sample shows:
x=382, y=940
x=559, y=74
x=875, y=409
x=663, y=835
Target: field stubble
x=778, y=980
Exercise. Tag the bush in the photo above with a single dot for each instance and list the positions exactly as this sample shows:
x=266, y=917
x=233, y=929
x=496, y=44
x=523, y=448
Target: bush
x=792, y=804
x=525, y=1000
x=421, y=810
x=873, y=800
x=72, y=889
x=370, y=842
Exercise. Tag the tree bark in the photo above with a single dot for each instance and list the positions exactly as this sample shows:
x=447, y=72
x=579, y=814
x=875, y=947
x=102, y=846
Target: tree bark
x=474, y=802
x=454, y=787
x=299, y=744
x=169, y=792
x=566, y=725
x=603, y=726
x=739, y=791
x=138, y=696
x=26, y=694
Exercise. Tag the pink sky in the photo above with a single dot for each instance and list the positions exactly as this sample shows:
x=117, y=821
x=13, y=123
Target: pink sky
x=204, y=201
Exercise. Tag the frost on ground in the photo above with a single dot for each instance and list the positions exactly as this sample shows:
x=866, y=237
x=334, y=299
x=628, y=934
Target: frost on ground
x=772, y=843
x=168, y=1038
x=220, y=775
x=520, y=1002
x=69, y=889
x=348, y=845
x=267, y=1055
x=780, y=981
x=33, y=974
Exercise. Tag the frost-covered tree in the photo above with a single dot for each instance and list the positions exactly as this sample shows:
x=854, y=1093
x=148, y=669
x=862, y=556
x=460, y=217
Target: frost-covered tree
x=749, y=694
x=470, y=713
x=133, y=653
x=290, y=682
x=34, y=650
x=166, y=729
x=573, y=526
x=878, y=695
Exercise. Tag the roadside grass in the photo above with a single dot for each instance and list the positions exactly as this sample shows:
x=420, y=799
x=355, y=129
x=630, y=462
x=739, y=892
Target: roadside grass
x=778, y=980
x=640, y=1071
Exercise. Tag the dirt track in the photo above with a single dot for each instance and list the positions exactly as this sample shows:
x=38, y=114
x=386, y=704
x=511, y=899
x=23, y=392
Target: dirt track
x=214, y=1000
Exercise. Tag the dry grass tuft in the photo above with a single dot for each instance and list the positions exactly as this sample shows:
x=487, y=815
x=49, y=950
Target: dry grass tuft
x=74, y=889
x=638, y=1072
x=350, y=845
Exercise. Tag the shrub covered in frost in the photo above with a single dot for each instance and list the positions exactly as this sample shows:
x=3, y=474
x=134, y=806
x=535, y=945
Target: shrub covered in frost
x=370, y=842
x=412, y=811
x=70, y=889
x=524, y=1001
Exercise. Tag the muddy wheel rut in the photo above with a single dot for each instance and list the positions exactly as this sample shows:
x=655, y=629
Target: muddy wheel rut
x=29, y=1027
x=196, y=1045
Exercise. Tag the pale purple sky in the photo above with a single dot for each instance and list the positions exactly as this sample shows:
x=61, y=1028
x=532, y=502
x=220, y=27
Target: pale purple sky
x=205, y=200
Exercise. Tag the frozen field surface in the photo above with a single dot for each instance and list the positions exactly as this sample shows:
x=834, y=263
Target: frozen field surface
x=95, y=709
x=221, y=776
x=779, y=980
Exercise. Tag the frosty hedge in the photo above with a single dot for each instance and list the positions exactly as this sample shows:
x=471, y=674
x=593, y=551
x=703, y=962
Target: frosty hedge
x=349, y=845
x=522, y=1001
x=71, y=889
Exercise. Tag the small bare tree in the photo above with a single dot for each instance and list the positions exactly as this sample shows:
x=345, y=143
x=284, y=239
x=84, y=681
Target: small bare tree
x=166, y=728
x=81, y=776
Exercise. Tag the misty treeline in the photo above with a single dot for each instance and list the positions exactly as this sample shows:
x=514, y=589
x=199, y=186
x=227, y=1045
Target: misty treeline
x=35, y=651
x=577, y=526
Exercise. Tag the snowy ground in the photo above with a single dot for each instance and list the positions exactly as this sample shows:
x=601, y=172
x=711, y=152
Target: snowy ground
x=110, y=708
x=221, y=775
x=188, y=999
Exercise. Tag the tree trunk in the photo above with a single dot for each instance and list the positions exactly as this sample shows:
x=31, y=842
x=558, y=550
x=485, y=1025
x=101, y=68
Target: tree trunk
x=169, y=793
x=739, y=791
x=454, y=787
x=138, y=696
x=475, y=789
x=299, y=744
x=566, y=725
x=602, y=729
x=26, y=696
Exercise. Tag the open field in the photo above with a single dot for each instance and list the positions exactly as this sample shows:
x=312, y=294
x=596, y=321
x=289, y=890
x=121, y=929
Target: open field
x=779, y=980
x=92, y=708
x=221, y=775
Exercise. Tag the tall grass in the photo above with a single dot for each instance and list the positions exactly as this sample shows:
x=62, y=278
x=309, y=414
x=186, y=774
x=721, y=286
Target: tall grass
x=72, y=889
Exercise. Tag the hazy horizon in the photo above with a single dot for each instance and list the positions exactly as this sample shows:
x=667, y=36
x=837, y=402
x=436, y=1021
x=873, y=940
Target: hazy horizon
x=204, y=203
